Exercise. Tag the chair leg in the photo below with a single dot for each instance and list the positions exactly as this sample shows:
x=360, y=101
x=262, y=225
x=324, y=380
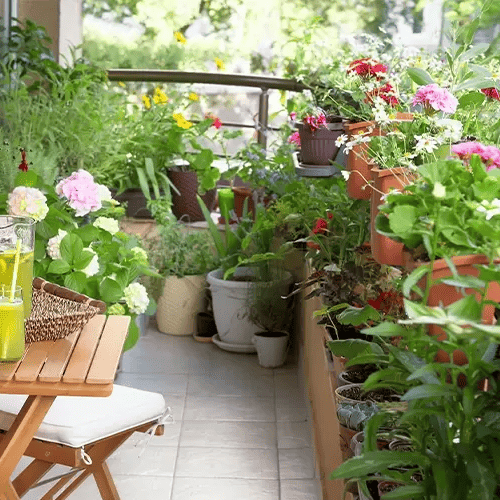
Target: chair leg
x=30, y=475
x=64, y=480
x=10, y=493
x=105, y=482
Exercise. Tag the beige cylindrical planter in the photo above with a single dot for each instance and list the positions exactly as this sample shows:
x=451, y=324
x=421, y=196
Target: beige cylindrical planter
x=182, y=299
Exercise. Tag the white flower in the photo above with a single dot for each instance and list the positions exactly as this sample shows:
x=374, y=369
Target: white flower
x=93, y=266
x=345, y=174
x=53, y=245
x=105, y=195
x=450, y=130
x=439, y=190
x=490, y=208
x=108, y=224
x=341, y=140
x=28, y=202
x=140, y=254
x=425, y=143
x=136, y=298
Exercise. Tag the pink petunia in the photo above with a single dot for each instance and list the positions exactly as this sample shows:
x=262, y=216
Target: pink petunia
x=490, y=155
x=293, y=116
x=294, y=139
x=434, y=98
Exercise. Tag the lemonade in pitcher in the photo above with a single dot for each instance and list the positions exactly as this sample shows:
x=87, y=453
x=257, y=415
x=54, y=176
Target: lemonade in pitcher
x=17, y=234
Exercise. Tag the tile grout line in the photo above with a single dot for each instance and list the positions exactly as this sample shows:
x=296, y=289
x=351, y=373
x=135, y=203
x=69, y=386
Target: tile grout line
x=277, y=438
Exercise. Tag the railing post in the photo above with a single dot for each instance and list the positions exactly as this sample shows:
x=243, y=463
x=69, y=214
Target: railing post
x=263, y=118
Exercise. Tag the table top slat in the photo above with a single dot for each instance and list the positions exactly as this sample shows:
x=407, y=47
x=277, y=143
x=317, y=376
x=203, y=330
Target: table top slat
x=7, y=370
x=109, y=350
x=83, y=353
x=60, y=354
x=33, y=361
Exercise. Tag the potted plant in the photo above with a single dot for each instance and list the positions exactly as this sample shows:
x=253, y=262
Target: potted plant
x=182, y=257
x=246, y=257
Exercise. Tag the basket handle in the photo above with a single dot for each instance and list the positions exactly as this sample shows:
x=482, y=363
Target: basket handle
x=66, y=293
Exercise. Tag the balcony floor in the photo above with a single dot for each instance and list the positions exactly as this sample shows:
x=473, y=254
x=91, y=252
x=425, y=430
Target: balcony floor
x=240, y=431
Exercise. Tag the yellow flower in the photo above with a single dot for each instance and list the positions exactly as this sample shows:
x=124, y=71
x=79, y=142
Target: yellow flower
x=180, y=37
x=159, y=96
x=193, y=96
x=220, y=63
x=121, y=84
x=147, y=101
x=181, y=121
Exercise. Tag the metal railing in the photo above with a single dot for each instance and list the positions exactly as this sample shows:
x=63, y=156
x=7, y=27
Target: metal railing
x=265, y=83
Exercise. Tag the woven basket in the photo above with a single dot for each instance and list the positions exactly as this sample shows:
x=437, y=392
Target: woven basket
x=56, y=312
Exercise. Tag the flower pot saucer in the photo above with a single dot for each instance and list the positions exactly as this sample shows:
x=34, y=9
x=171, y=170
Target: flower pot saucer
x=202, y=338
x=306, y=170
x=243, y=348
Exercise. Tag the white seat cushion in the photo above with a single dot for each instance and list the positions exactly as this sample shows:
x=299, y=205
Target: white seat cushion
x=76, y=421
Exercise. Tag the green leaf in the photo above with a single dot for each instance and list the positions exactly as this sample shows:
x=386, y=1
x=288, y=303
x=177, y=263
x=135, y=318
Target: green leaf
x=420, y=76
x=76, y=281
x=110, y=290
x=83, y=260
x=350, y=348
x=414, y=310
x=473, y=52
x=59, y=266
x=411, y=281
x=132, y=335
x=214, y=230
x=29, y=179
x=376, y=461
x=472, y=100
x=386, y=329
x=88, y=233
x=71, y=246
x=405, y=492
x=467, y=308
x=478, y=82
x=402, y=219
x=357, y=316
x=483, y=477
x=429, y=391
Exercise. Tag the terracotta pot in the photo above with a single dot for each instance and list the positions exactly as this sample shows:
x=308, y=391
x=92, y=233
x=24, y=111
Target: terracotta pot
x=240, y=195
x=186, y=205
x=358, y=163
x=318, y=147
x=385, y=250
x=446, y=294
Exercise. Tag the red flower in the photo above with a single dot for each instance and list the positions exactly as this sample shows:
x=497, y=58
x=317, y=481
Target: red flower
x=492, y=93
x=217, y=123
x=294, y=139
x=24, y=164
x=367, y=67
x=386, y=92
x=320, y=227
x=315, y=122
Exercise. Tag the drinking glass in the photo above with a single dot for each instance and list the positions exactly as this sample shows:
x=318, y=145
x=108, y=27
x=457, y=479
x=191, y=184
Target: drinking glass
x=12, y=230
x=11, y=323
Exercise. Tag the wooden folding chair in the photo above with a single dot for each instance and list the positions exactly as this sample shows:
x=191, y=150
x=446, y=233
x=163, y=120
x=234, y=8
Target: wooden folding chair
x=81, y=433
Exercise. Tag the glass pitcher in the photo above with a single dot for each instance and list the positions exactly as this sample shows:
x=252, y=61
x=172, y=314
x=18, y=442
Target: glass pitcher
x=11, y=324
x=12, y=229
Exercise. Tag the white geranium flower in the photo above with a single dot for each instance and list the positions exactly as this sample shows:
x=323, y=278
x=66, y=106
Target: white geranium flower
x=108, y=224
x=136, y=298
x=140, y=254
x=439, y=190
x=27, y=202
x=105, y=195
x=490, y=208
x=53, y=245
x=345, y=174
x=93, y=267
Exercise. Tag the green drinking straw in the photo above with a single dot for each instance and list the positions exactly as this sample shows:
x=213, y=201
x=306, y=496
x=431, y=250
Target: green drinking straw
x=14, y=273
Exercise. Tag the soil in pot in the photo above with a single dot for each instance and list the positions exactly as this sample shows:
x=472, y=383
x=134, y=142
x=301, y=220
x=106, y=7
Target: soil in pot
x=357, y=374
x=355, y=392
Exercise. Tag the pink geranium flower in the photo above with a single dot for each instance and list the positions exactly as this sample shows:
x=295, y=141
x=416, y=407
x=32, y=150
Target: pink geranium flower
x=315, y=122
x=490, y=155
x=434, y=98
x=81, y=192
x=492, y=93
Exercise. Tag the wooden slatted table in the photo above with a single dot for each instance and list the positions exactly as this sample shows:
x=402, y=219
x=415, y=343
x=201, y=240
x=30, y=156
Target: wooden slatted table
x=82, y=364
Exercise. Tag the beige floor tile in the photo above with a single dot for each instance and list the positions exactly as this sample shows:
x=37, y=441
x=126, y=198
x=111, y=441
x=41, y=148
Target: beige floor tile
x=240, y=463
x=149, y=461
x=224, y=489
x=291, y=410
x=260, y=385
x=296, y=463
x=227, y=434
x=170, y=437
x=165, y=383
x=294, y=434
x=229, y=408
x=300, y=489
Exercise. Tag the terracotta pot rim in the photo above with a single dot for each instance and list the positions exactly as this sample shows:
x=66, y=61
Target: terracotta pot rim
x=355, y=125
x=384, y=172
x=458, y=260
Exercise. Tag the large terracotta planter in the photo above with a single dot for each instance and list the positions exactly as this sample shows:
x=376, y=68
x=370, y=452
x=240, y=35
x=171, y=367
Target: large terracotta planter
x=385, y=250
x=185, y=206
x=442, y=294
x=318, y=147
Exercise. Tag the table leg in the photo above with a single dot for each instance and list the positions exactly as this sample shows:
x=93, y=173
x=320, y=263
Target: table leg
x=19, y=436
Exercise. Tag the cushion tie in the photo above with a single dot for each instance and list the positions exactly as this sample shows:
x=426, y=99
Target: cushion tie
x=166, y=418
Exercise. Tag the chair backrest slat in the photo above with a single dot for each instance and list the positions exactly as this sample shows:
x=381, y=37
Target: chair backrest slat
x=109, y=350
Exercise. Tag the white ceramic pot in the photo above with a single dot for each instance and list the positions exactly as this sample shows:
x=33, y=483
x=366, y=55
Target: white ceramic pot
x=271, y=350
x=182, y=299
x=231, y=300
